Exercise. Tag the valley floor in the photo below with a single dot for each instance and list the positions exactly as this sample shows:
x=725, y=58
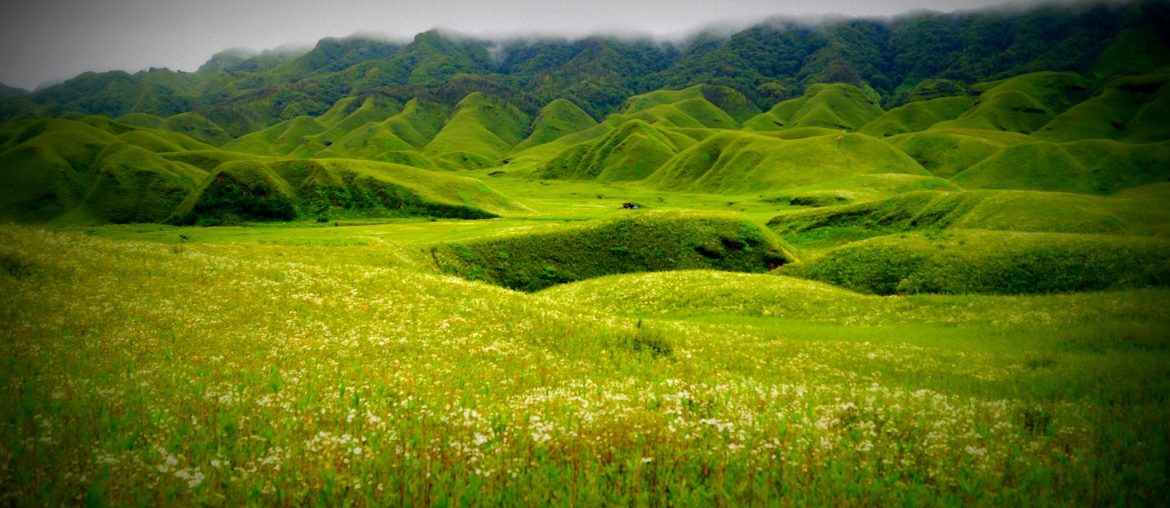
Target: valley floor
x=333, y=364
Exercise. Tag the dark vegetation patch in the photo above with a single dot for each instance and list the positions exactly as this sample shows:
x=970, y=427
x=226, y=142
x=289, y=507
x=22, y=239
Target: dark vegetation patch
x=12, y=265
x=286, y=190
x=644, y=243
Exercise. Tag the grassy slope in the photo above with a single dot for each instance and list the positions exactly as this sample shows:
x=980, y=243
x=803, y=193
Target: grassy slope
x=632, y=151
x=251, y=190
x=479, y=133
x=197, y=126
x=687, y=108
x=555, y=120
x=315, y=343
x=968, y=261
x=1021, y=104
x=636, y=243
x=946, y=153
x=1091, y=166
x=84, y=172
x=835, y=106
x=1108, y=114
x=280, y=139
x=917, y=116
x=744, y=162
x=1033, y=211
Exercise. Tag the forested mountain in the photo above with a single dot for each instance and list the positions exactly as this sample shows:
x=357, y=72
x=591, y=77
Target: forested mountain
x=844, y=111
x=767, y=63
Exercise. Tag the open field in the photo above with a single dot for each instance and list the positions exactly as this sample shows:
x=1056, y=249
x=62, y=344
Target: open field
x=915, y=261
x=317, y=363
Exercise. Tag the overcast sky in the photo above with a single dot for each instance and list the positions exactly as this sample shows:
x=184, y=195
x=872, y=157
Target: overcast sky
x=43, y=41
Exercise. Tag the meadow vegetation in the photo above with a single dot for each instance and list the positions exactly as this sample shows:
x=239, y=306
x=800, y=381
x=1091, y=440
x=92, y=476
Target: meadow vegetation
x=922, y=261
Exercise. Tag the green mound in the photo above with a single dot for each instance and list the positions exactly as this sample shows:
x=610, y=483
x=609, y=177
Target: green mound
x=1021, y=104
x=745, y=162
x=557, y=119
x=857, y=188
x=60, y=168
x=132, y=184
x=947, y=153
x=630, y=152
x=479, y=133
x=1090, y=167
x=339, y=110
x=691, y=294
x=366, y=142
x=994, y=210
x=419, y=122
x=357, y=111
x=406, y=158
x=641, y=243
x=280, y=139
x=1149, y=124
x=162, y=141
x=1121, y=111
x=687, y=108
x=1136, y=51
x=197, y=126
x=917, y=116
x=372, y=109
x=251, y=190
x=142, y=120
x=728, y=99
x=834, y=106
x=991, y=262
x=239, y=191
x=207, y=160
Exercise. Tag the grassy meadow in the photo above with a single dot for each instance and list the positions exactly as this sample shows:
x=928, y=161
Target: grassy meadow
x=310, y=363
x=383, y=275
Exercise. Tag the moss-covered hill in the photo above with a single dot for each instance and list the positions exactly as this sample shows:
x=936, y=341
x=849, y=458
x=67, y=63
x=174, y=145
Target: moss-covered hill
x=639, y=243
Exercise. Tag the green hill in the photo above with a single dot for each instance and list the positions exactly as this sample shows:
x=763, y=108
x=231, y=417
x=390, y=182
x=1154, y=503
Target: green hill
x=991, y=262
x=197, y=126
x=153, y=139
x=62, y=169
x=946, y=153
x=741, y=162
x=1028, y=211
x=280, y=139
x=834, y=106
x=917, y=116
x=479, y=133
x=1091, y=167
x=856, y=189
x=630, y=152
x=419, y=122
x=1021, y=104
x=1136, y=51
x=142, y=120
x=132, y=184
x=372, y=109
x=366, y=142
x=250, y=190
x=1109, y=114
x=688, y=108
x=555, y=120
x=638, y=243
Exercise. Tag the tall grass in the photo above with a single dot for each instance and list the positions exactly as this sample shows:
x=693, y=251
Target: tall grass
x=234, y=373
